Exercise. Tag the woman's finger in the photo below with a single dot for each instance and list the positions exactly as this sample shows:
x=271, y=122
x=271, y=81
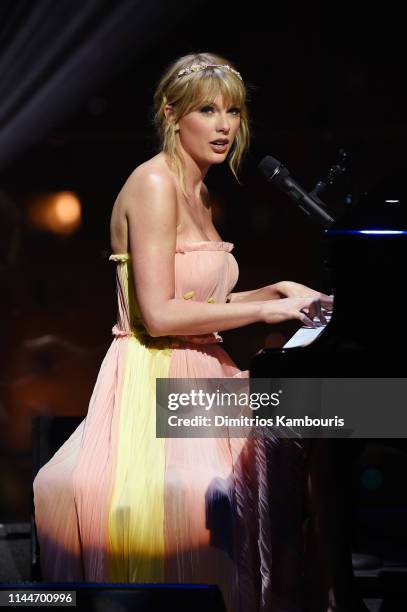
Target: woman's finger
x=315, y=312
x=327, y=302
x=305, y=318
x=322, y=317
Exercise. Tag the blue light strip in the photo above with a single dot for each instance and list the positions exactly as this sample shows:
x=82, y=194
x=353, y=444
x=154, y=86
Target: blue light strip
x=382, y=232
x=368, y=232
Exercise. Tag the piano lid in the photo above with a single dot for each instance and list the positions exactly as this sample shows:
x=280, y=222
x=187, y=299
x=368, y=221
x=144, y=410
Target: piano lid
x=380, y=212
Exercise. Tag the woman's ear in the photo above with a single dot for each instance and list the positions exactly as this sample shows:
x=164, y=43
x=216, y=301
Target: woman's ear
x=168, y=112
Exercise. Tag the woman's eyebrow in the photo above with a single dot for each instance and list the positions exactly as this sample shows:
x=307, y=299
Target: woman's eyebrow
x=231, y=105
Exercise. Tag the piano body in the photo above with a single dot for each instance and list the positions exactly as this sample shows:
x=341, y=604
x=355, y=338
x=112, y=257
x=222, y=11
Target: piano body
x=365, y=337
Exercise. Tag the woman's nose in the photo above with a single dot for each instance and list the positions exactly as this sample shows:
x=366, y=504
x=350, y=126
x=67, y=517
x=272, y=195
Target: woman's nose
x=223, y=124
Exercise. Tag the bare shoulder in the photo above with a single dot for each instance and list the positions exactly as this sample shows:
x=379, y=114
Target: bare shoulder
x=147, y=199
x=152, y=180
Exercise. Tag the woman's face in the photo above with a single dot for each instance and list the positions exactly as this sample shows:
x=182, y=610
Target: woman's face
x=207, y=134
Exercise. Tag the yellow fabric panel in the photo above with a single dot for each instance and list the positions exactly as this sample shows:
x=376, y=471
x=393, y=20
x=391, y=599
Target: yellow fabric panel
x=136, y=515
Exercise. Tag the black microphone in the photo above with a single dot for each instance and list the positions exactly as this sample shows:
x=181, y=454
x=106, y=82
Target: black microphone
x=276, y=173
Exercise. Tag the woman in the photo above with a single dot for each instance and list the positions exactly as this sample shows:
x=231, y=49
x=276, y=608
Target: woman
x=115, y=503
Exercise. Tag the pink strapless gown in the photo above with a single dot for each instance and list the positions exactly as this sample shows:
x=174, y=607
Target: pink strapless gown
x=116, y=504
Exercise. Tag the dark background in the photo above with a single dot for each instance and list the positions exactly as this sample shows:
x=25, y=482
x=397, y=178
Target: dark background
x=77, y=81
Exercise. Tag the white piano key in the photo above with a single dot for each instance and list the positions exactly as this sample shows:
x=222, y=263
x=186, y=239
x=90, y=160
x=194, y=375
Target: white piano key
x=306, y=335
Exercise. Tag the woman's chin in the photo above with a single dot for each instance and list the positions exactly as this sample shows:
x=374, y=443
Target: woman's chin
x=218, y=158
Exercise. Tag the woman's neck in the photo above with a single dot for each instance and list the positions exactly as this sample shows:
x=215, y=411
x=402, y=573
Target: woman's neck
x=194, y=174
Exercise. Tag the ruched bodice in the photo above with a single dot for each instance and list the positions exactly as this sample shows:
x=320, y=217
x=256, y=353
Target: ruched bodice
x=205, y=271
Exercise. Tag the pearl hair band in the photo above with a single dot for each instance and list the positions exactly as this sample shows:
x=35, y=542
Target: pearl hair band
x=199, y=67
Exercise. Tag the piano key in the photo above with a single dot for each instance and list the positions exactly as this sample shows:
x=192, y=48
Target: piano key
x=305, y=335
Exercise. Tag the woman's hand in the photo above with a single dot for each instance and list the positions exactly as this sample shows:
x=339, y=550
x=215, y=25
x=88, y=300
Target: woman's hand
x=291, y=289
x=303, y=309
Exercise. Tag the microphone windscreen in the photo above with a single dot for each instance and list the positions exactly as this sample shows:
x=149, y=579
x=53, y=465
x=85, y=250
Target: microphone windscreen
x=268, y=166
x=274, y=171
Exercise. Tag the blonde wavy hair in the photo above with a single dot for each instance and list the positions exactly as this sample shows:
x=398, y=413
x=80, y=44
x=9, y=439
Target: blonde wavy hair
x=189, y=92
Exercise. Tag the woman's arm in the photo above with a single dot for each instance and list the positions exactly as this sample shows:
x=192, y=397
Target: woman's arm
x=283, y=289
x=270, y=292
x=150, y=204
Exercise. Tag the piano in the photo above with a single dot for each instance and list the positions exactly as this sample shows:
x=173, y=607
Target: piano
x=365, y=337
x=366, y=251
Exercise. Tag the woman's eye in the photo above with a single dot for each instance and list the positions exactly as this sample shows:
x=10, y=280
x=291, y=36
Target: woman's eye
x=208, y=109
